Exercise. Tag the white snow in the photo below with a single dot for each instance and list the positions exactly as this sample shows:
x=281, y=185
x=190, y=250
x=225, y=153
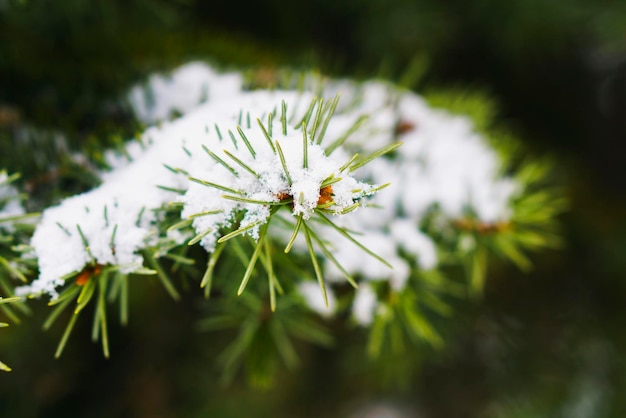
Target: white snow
x=443, y=165
x=364, y=304
x=181, y=91
x=314, y=299
x=270, y=183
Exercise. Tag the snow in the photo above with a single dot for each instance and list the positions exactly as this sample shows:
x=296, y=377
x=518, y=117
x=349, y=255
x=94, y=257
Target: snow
x=409, y=238
x=444, y=165
x=314, y=299
x=181, y=91
x=364, y=305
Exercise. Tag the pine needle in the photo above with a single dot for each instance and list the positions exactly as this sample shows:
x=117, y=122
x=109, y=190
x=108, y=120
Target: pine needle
x=316, y=266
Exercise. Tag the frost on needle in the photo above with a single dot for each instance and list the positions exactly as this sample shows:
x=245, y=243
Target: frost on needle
x=252, y=171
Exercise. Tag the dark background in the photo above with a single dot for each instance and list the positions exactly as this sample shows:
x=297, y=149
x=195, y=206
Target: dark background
x=546, y=343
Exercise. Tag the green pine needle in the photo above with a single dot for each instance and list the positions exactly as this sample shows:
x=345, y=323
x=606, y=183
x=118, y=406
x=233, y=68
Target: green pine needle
x=342, y=139
x=294, y=235
x=207, y=213
x=316, y=121
x=180, y=225
x=253, y=259
x=239, y=231
x=171, y=189
x=66, y=336
x=251, y=264
x=123, y=279
x=102, y=316
x=67, y=294
x=10, y=314
x=215, y=186
x=112, y=241
x=64, y=229
x=305, y=147
x=384, y=150
x=270, y=120
x=245, y=140
x=283, y=162
x=4, y=367
x=179, y=259
x=332, y=258
x=283, y=116
x=9, y=300
x=272, y=281
x=207, y=278
x=242, y=164
x=316, y=266
x=85, y=243
x=138, y=221
x=176, y=170
x=163, y=277
x=233, y=139
x=266, y=135
x=219, y=134
x=268, y=264
x=12, y=270
x=343, y=232
x=257, y=202
x=220, y=161
x=378, y=188
x=327, y=117
x=199, y=237
x=14, y=218
x=85, y=295
x=330, y=181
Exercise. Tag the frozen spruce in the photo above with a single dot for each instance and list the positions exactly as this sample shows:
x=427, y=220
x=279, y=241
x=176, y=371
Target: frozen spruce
x=254, y=168
x=359, y=183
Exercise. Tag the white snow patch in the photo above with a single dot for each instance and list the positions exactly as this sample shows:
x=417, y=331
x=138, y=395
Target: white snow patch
x=314, y=298
x=443, y=165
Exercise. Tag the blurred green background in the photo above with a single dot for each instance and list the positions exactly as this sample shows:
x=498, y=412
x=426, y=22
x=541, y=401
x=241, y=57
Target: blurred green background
x=548, y=343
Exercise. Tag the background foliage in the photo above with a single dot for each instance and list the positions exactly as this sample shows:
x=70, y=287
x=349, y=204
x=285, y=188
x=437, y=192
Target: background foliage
x=544, y=343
